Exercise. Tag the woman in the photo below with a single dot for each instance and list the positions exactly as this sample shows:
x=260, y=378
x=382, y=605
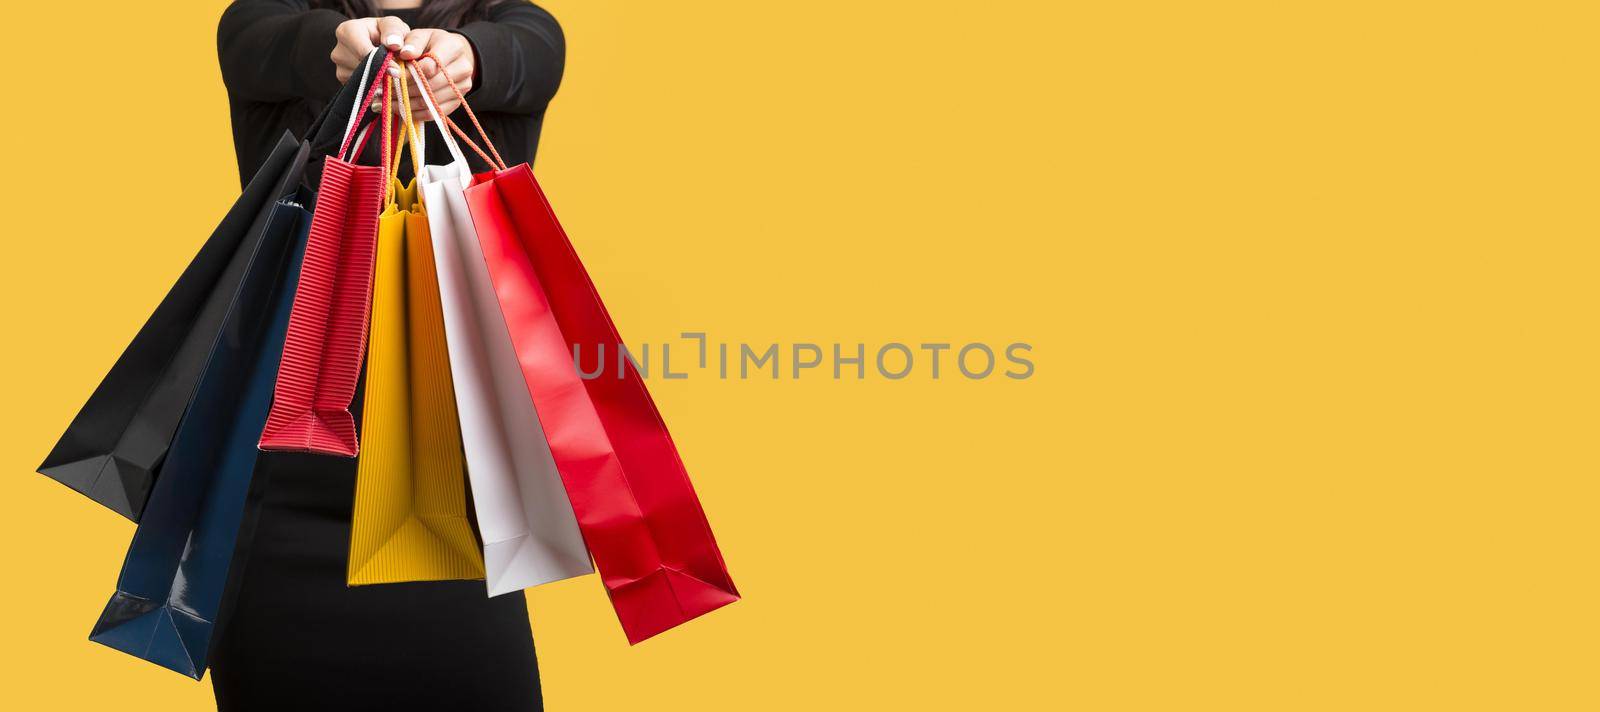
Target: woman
x=296, y=636
x=282, y=60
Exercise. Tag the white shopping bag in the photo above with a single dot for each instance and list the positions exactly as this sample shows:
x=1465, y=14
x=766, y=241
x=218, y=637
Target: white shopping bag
x=530, y=535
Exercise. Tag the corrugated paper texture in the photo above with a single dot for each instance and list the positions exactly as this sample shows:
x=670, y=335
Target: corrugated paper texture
x=410, y=520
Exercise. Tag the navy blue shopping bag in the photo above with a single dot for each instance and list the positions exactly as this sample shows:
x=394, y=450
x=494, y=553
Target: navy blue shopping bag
x=177, y=568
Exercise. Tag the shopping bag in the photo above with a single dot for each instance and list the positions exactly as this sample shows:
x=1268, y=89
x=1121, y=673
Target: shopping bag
x=409, y=522
x=328, y=326
x=114, y=447
x=178, y=565
x=530, y=535
x=186, y=562
x=633, y=499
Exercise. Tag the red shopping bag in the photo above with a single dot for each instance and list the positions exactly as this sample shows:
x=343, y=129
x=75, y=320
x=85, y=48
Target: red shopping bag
x=635, y=506
x=328, y=322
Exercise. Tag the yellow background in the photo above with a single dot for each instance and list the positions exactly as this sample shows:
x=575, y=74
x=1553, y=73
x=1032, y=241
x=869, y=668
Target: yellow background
x=1310, y=287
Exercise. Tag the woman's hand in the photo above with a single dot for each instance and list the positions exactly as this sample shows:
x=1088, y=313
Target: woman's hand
x=355, y=39
x=456, y=60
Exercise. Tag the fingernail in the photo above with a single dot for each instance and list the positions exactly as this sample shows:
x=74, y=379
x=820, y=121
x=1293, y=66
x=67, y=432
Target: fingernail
x=392, y=40
x=394, y=71
x=408, y=49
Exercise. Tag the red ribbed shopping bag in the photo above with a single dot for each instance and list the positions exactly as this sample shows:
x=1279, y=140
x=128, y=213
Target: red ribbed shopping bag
x=635, y=505
x=328, y=323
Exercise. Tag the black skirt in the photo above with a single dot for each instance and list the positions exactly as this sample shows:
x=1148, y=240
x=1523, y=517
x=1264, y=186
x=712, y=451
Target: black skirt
x=298, y=638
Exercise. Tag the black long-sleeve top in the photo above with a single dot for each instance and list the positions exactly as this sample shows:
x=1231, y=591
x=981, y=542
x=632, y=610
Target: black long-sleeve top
x=275, y=63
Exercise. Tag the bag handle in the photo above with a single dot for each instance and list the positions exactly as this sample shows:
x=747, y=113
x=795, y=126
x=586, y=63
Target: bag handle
x=325, y=131
x=433, y=111
x=416, y=126
x=363, y=101
x=386, y=142
x=495, y=162
x=409, y=136
x=388, y=146
x=358, y=109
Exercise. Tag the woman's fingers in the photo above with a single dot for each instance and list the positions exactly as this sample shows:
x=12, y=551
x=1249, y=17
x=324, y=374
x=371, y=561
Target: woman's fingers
x=416, y=43
x=419, y=107
x=449, y=106
x=459, y=71
x=448, y=47
x=447, y=103
x=438, y=83
x=456, y=55
x=353, y=41
x=393, y=32
x=345, y=63
x=361, y=31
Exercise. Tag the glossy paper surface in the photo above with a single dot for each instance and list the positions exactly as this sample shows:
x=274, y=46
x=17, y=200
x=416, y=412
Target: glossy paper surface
x=114, y=447
x=177, y=567
x=632, y=496
x=530, y=535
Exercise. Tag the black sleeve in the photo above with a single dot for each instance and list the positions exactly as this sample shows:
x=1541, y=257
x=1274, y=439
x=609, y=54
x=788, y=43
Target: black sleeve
x=277, y=50
x=520, y=56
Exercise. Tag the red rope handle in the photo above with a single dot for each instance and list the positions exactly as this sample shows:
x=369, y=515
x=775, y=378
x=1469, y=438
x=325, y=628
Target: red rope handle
x=498, y=162
x=361, y=145
x=355, y=126
x=468, y=140
x=388, y=144
x=447, y=123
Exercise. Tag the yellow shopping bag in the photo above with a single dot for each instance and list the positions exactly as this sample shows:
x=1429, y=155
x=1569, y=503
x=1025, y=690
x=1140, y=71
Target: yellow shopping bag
x=410, y=520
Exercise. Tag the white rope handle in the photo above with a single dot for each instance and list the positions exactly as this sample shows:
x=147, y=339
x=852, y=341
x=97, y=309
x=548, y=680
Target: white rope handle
x=419, y=139
x=418, y=143
x=357, y=109
x=438, y=122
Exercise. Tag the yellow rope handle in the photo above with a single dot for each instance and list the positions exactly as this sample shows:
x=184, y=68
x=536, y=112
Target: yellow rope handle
x=408, y=137
x=411, y=130
x=388, y=116
x=394, y=163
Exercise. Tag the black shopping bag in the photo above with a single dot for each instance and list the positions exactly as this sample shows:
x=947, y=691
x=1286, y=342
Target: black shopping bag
x=112, y=449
